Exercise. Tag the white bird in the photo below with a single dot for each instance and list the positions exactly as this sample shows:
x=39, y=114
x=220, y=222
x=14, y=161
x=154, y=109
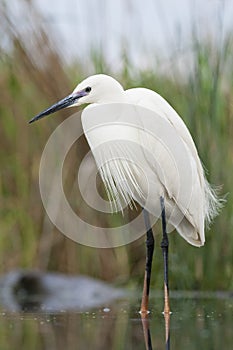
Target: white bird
x=188, y=214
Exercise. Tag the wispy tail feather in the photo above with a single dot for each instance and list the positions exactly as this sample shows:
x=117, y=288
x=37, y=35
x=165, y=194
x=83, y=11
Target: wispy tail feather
x=213, y=202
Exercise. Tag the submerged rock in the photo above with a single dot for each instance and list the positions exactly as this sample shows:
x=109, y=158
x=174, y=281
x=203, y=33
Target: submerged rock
x=54, y=292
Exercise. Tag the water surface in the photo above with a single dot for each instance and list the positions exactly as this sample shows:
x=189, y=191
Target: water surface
x=198, y=322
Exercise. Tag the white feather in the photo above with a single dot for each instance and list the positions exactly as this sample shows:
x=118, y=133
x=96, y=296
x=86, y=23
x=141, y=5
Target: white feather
x=134, y=176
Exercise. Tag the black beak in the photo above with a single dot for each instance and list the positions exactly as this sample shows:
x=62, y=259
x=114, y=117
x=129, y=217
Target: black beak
x=65, y=102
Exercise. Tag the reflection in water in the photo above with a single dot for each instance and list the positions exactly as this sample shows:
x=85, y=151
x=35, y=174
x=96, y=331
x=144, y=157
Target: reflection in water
x=196, y=323
x=147, y=334
x=167, y=330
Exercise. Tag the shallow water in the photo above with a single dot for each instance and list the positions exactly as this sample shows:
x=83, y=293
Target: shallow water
x=197, y=322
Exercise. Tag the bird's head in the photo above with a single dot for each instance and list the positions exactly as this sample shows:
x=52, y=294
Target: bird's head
x=99, y=88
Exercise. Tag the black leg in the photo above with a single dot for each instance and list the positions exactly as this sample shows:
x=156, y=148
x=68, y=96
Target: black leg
x=164, y=245
x=149, y=258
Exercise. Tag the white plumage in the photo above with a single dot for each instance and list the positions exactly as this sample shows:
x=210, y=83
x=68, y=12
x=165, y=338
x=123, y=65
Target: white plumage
x=123, y=181
x=114, y=121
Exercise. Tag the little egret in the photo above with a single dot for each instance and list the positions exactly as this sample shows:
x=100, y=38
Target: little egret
x=203, y=205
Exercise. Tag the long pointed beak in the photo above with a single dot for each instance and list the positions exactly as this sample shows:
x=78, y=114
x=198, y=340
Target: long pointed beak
x=65, y=102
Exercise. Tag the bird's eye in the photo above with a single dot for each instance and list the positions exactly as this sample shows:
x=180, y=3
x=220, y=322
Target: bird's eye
x=88, y=89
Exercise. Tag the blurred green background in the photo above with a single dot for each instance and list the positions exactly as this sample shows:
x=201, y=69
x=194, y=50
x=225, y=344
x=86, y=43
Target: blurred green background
x=33, y=75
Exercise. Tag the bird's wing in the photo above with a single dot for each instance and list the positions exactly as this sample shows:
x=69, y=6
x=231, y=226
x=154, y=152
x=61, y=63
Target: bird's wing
x=151, y=100
x=143, y=144
x=185, y=157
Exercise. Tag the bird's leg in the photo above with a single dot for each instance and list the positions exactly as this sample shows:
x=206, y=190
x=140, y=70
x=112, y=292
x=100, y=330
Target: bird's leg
x=149, y=257
x=164, y=245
